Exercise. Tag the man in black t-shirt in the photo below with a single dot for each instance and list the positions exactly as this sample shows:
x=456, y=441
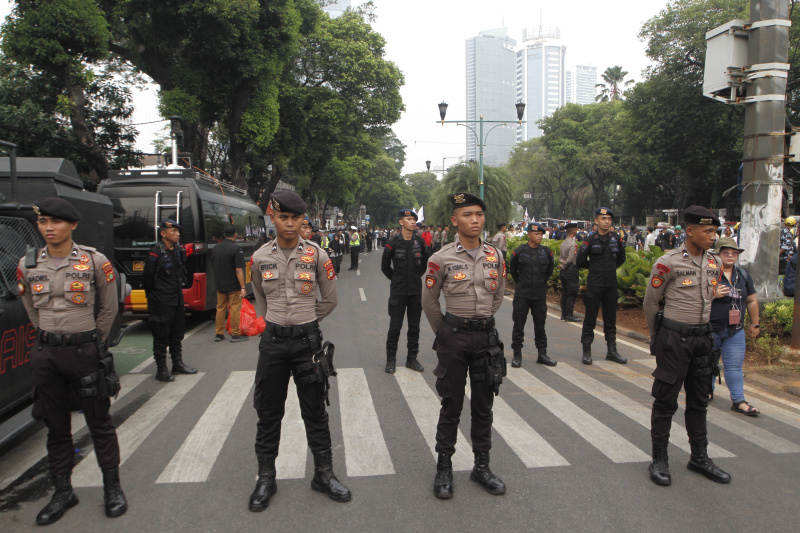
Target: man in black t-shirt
x=228, y=261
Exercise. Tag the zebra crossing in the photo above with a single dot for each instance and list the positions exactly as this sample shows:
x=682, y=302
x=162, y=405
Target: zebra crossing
x=366, y=452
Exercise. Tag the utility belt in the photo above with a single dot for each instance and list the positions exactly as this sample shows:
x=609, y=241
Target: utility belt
x=470, y=324
x=292, y=332
x=685, y=329
x=67, y=339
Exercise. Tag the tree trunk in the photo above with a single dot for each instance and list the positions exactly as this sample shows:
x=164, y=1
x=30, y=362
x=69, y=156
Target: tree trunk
x=98, y=164
x=237, y=148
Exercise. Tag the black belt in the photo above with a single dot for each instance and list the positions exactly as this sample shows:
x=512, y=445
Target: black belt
x=470, y=324
x=686, y=329
x=291, y=332
x=67, y=339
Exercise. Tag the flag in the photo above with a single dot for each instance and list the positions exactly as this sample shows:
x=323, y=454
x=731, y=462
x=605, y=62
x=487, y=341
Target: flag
x=421, y=215
x=527, y=219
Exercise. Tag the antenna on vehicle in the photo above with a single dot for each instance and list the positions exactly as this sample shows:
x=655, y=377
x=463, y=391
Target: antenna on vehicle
x=174, y=132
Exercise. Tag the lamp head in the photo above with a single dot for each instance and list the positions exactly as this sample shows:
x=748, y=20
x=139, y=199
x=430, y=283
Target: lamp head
x=442, y=110
x=520, y=110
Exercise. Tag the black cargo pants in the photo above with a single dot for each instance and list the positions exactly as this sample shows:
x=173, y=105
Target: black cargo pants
x=519, y=314
x=569, y=290
x=400, y=305
x=594, y=299
x=168, y=325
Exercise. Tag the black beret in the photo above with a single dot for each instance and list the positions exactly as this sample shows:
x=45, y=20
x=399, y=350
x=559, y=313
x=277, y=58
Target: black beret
x=465, y=199
x=700, y=216
x=571, y=225
x=56, y=208
x=287, y=202
x=603, y=211
x=535, y=226
x=407, y=213
x=169, y=223
x=501, y=224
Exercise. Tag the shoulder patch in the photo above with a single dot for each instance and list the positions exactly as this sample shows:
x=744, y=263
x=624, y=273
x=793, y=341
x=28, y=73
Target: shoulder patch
x=662, y=268
x=430, y=281
x=657, y=281
x=433, y=266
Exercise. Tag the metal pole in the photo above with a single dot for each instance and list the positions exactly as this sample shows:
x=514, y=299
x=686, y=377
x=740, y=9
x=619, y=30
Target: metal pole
x=481, y=155
x=764, y=150
x=794, y=344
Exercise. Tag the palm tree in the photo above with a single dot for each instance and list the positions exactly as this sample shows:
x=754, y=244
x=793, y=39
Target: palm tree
x=612, y=88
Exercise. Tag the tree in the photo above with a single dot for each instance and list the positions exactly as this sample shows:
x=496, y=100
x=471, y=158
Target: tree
x=614, y=81
x=422, y=184
x=465, y=177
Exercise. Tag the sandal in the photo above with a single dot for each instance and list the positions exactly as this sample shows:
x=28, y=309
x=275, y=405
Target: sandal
x=711, y=396
x=751, y=411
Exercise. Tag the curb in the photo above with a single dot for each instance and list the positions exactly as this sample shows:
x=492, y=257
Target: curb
x=635, y=335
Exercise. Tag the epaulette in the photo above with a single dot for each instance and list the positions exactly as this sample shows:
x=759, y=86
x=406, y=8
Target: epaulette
x=86, y=248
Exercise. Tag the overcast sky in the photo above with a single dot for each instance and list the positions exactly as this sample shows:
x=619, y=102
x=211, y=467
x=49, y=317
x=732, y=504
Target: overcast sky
x=426, y=39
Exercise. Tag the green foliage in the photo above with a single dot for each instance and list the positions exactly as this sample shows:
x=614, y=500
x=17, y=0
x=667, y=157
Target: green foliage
x=465, y=177
x=422, y=184
x=776, y=318
x=614, y=78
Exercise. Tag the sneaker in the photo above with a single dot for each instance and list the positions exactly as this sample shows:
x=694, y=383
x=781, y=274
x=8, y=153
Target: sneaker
x=239, y=338
x=219, y=337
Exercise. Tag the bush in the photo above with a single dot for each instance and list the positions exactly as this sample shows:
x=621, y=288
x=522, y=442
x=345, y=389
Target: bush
x=776, y=329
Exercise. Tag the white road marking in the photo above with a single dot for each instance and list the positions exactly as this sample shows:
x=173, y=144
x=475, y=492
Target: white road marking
x=293, y=450
x=192, y=463
x=607, y=441
x=17, y=461
x=365, y=450
x=424, y=404
x=756, y=390
x=726, y=420
x=363, y=296
x=625, y=405
x=137, y=428
x=149, y=361
x=529, y=446
x=358, y=272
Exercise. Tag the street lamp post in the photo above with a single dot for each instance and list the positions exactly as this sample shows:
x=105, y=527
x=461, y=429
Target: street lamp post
x=428, y=164
x=481, y=138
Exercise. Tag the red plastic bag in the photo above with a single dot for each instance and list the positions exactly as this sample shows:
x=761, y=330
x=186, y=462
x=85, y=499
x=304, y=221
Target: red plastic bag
x=250, y=324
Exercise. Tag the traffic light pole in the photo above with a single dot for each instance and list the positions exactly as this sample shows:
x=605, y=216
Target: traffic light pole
x=764, y=142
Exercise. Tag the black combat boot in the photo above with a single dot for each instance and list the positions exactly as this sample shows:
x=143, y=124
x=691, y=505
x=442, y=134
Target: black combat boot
x=114, y=498
x=413, y=364
x=543, y=359
x=162, y=373
x=613, y=354
x=63, y=498
x=700, y=462
x=325, y=480
x=516, y=359
x=443, y=482
x=571, y=318
x=659, y=468
x=481, y=474
x=391, y=362
x=265, y=486
x=587, y=354
x=178, y=367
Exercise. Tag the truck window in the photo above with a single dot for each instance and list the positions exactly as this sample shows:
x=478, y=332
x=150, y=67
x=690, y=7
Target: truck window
x=134, y=221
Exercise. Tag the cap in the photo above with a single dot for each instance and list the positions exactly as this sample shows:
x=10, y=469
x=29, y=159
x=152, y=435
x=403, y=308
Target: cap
x=726, y=242
x=353, y=228
x=465, y=199
x=790, y=221
x=169, y=223
x=407, y=213
x=287, y=202
x=571, y=225
x=501, y=224
x=678, y=227
x=535, y=226
x=55, y=207
x=701, y=216
x=603, y=211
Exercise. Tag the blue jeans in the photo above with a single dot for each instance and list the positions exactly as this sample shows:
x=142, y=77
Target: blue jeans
x=732, y=347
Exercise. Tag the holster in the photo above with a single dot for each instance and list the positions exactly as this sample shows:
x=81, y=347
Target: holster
x=496, y=362
x=716, y=353
x=659, y=319
x=318, y=370
x=104, y=382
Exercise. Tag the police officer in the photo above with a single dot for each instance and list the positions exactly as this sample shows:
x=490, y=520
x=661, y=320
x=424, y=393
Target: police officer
x=286, y=276
x=787, y=242
x=403, y=262
x=602, y=253
x=568, y=273
x=62, y=285
x=307, y=229
x=531, y=265
x=499, y=240
x=355, y=247
x=471, y=274
x=681, y=340
x=163, y=280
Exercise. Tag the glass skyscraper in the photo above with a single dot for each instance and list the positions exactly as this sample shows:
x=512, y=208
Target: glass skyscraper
x=581, y=84
x=337, y=8
x=491, y=91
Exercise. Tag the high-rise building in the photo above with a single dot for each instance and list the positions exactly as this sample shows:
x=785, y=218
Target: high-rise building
x=491, y=89
x=540, y=77
x=581, y=84
x=337, y=8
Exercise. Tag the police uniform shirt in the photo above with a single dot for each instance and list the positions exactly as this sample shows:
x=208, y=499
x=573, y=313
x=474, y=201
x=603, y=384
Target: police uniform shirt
x=531, y=268
x=499, y=241
x=285, y=289
x=404, y=262
x=443, y=238
x=602, y=255
x=60, y=297
x=569, y=253
x=688, y=285
x=473, y=288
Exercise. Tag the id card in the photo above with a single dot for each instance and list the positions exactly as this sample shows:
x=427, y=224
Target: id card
x=733, y=317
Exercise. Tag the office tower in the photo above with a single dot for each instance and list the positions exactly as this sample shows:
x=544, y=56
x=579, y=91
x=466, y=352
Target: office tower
x=581, y=84
x=337, y=8
x=491, y=93
x=540, y=77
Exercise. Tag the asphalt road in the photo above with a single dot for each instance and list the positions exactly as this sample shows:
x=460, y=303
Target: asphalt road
x=571, y=443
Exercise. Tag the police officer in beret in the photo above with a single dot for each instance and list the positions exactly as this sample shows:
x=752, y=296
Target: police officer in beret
x=568, y=273
x=163, y=279
x=471, y=274
x=287, y=275
x=531, y=265
x=403, y=262
x=602, y=253
x=680, y=338
x=307, y=229
x=70, y=294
